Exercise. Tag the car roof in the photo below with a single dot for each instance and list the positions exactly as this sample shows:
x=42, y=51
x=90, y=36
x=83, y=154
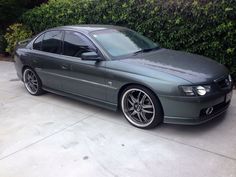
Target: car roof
x=87, y=28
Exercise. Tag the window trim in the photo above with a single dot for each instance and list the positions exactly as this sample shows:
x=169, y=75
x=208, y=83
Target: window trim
x=100, y=53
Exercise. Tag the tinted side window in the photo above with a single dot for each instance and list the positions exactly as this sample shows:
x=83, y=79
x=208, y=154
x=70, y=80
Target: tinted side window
x=75, y=44
x=38, y=43
x=52, y=42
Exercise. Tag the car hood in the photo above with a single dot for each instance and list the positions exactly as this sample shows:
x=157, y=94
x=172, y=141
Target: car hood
x=191, y=67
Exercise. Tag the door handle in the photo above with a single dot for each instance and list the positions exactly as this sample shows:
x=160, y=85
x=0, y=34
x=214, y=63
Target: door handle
x=65, y=67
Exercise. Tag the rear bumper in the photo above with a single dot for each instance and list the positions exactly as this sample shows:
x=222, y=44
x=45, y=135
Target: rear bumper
x=193, y=112
x=18, y=67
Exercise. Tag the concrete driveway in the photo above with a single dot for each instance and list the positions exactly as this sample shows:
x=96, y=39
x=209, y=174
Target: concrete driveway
x=53, y=136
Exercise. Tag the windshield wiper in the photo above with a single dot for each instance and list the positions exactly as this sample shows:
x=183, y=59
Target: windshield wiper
x=146, y=50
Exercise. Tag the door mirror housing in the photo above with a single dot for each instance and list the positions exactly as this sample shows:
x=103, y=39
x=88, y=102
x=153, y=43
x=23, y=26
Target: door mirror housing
x=93, y=56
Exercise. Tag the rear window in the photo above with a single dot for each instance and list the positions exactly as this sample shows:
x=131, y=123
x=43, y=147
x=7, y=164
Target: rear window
x=38, y=43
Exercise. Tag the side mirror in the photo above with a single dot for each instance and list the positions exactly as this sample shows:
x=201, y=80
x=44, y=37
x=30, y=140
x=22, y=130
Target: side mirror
x=93, y=56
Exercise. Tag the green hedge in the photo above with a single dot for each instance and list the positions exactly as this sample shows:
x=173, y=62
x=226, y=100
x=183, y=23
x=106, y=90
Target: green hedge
x=205, y=27
x=3, y=43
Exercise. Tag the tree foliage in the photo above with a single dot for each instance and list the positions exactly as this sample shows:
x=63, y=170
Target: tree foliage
x=15, y=33
x=11, y=10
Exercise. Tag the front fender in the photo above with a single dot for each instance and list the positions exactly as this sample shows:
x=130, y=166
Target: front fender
x=118, y=79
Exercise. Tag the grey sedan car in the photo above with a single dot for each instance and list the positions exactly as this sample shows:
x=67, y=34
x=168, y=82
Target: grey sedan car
x=117, y=68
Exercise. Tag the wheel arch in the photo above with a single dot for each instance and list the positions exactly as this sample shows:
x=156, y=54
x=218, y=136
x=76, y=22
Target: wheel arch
x=27, y=66
x=24, y=67
x=136, y=84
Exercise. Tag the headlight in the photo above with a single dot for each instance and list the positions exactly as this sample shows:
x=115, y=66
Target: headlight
x=188, y=90
x=196, y=90
x=201, y=90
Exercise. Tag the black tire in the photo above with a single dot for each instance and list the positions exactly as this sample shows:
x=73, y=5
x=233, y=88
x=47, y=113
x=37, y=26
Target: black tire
x=135, y=110
x=29, y=84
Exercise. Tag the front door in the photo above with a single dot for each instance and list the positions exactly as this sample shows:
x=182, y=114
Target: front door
x=83, y=77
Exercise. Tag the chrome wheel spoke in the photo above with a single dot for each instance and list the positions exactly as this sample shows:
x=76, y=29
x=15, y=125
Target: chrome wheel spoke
x=29, y=77
x=131, y=108
x=143, y=116
x=34, y=80
x=143, y=99
x=32, y=87
x=147, y=111
x=139, y=94
x=133, y=113
x=132, y=98
x=132, y=103
x=147, y=106
x=139, y=117
x=35, y=83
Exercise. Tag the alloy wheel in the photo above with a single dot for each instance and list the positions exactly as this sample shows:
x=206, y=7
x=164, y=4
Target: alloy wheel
x=31, y=81
x=138, y=107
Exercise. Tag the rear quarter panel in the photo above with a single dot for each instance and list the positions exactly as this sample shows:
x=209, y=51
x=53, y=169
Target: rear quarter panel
x=21, y=59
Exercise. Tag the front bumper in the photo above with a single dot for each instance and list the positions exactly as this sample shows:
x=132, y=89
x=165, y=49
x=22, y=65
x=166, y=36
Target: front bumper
x=192, y=111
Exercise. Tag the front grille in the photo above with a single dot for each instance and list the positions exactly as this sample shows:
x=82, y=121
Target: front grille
x=216, y=109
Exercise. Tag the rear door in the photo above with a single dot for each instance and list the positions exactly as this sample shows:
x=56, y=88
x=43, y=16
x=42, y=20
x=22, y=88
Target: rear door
x=46, y=56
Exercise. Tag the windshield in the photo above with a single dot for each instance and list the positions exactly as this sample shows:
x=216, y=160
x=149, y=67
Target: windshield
x=123, y=42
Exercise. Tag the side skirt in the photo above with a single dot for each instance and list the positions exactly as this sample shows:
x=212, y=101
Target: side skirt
x=88, y=100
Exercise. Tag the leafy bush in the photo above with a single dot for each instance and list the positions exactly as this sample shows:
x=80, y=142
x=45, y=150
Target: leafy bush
x=2, y=43
x=15, y=33
x=205, y=27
